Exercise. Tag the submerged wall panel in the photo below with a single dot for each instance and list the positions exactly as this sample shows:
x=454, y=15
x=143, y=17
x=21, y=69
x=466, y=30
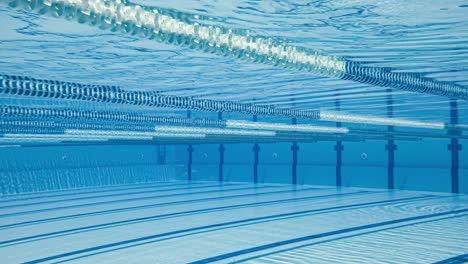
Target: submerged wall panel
x=238, y=173
x=422, y=179
x=318, y=174
x=238, y=162
x=274, y=173
x=316, y=163
x=365, y=164
x=205, y=162
x=204, y=172
x=423, y=165
x=36, y=169
x=275, y=163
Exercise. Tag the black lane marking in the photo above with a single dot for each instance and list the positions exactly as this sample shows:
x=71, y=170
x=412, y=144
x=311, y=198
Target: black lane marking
x=60, y=218
x=346, y=237
x=454, y=260
x=123, y=200
x=321, y=235
x=224, y=256
x=115, y=195
x=88, y=190
x=154, y=217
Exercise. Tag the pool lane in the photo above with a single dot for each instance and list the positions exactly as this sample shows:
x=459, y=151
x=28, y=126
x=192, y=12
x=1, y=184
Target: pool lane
x=239, y=222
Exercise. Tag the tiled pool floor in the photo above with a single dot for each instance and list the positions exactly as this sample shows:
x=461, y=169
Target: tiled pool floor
x=204, y=222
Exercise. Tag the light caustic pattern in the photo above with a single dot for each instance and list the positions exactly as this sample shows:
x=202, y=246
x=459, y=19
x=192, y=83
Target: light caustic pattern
x=153, y=24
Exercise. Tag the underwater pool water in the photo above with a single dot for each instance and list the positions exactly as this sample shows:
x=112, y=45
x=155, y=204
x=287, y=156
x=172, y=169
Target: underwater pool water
x=233, y=131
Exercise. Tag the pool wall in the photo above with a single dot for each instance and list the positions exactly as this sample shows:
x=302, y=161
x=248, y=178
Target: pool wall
x=418, y=165
x=430, y=170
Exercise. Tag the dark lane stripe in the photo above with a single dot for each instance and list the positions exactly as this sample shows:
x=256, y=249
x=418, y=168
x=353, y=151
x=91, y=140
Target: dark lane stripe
x=131, y=208
x=347, y=237
x=154, y=217
x=321, y=235
x=455, y=260
x=225, y=224
x=127, y=200
x=96, y=189
x=185, y=187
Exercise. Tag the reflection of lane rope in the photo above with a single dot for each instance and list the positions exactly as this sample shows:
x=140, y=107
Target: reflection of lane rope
x=151, y=23
x=40, y=127
x=42, y=119
x=68, y=114
x=17, y=85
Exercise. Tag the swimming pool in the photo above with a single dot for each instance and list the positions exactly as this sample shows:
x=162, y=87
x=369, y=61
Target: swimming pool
x=233, y=131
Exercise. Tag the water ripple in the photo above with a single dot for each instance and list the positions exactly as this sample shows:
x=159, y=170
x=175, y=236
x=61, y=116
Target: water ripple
x=396, y=34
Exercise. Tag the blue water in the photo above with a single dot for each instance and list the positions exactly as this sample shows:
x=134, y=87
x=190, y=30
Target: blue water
x=233, y=131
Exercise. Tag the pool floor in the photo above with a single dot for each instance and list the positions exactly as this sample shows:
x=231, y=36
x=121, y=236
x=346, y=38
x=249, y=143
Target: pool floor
x=204, y=222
